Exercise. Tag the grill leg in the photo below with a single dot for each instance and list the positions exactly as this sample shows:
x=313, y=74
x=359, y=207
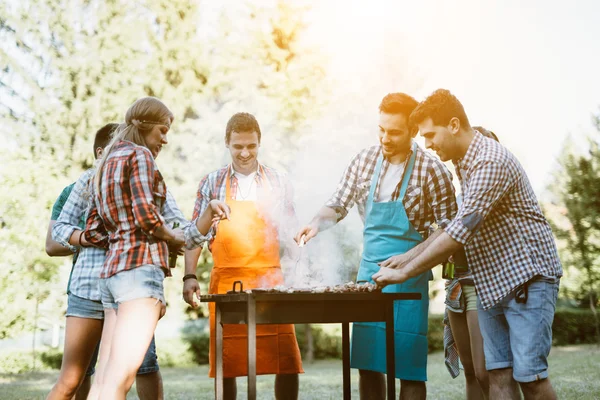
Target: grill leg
x=346, y=359
x=251, y=348
x=219, y=355
x=390, y=350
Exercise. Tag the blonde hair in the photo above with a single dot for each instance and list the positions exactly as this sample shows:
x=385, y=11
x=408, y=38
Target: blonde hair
x=140, y=118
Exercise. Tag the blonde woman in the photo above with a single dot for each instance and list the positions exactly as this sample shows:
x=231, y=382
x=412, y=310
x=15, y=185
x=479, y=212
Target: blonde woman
x=127, y=218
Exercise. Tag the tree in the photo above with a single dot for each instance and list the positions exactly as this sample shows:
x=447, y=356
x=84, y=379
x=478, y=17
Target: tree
x=578, y=193
x=67, y=67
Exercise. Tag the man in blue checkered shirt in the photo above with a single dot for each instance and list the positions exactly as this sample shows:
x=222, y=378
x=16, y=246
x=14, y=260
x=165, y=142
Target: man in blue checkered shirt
x=509, y=245
x=400, y=190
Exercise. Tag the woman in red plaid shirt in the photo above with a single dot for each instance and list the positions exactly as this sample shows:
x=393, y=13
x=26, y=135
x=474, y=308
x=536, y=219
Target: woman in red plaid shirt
x=125, y=217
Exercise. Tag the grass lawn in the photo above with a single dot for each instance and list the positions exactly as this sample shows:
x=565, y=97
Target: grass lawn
x=574, y=370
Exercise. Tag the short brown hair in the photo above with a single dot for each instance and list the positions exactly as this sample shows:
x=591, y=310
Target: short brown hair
x=398, y=103
x=441, y=106
x=242, y=122
x=104, y=135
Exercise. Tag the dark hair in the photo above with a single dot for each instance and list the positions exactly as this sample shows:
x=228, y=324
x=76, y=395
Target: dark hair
x=399, y=103
x=486, y=133
x=441, y=106
x=241, y=122
x=104, y=135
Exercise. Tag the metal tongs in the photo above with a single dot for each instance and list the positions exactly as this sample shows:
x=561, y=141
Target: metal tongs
x=300, y=245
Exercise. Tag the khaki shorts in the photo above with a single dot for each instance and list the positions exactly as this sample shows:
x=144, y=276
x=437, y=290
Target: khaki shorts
x=470, y=296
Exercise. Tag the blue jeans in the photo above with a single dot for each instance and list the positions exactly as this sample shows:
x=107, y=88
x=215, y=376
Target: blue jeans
x=519, y=335
x=85, y=308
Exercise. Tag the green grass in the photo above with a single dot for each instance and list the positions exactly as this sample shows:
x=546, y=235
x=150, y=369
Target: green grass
x=574, y=370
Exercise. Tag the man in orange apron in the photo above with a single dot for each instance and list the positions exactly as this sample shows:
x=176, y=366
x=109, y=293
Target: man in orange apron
x=238, y=210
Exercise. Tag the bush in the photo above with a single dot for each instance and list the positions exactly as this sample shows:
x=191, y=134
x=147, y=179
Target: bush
x=435, y=334
x=52, y=358
x=19, y=361
x=573, y=326
x=195, y=334
x=174, y=352
x=326, y=344
x=15, y=362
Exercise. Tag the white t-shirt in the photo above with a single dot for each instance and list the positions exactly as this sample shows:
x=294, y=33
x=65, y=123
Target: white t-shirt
x=246, y=190
x=390, y=180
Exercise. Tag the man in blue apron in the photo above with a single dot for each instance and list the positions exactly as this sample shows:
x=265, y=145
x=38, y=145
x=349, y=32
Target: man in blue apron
x=400, y=190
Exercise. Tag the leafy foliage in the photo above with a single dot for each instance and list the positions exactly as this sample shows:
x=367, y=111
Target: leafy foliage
x=67, y=67
x=578, y=223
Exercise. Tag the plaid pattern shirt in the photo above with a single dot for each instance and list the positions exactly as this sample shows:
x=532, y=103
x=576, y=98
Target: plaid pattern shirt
x=429, y=197
x=213, y=186
x=507, y=239
x=130, y=207
x=87, y=268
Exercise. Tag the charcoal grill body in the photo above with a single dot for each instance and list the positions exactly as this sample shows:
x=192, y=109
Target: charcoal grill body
x=303, y=308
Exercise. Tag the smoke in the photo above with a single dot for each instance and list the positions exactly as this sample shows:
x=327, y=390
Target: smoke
x=325, y=150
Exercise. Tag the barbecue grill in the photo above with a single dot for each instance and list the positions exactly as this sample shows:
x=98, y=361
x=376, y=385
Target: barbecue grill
x=265, y=306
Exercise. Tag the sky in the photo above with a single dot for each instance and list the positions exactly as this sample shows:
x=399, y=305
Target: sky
x=528, y=70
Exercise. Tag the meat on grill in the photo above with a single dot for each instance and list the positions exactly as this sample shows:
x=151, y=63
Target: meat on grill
x=349, y=287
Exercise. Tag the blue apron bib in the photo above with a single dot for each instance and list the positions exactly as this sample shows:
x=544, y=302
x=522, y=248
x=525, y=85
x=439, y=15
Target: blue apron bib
x=388, y=232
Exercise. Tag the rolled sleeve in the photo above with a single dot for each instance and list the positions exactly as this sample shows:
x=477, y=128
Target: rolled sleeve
x=146, y=213
x=458, y=231
x=73, y=212
x=440, y=194
x=95, y=231
x=193, y=237
x=344, y=197
x=488, y=182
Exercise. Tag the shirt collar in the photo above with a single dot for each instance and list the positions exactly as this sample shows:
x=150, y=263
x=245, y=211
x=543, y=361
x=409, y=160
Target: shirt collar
x=233, y=173
x=473, y=149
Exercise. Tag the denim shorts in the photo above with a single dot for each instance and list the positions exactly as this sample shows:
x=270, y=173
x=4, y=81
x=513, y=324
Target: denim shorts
x=84, y=308
x=141, y=282
x=519, y=335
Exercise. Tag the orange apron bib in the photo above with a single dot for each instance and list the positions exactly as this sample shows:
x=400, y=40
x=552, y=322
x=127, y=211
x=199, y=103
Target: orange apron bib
x=246, y=249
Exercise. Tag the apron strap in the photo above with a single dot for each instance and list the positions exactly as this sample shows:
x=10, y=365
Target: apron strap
x=375, y=179
x=405, y=175
x=408, y=172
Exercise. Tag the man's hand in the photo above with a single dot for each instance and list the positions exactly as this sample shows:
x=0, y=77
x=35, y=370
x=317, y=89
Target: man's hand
x=388, y=276
x=219, y=210
x=178, y=239
x=395, y=262
x=190, y=287
x=308, y=232
x=175, y=247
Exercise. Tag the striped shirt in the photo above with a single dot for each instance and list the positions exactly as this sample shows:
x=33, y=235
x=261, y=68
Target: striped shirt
x=507, y=238
x=277, y=190
x=429, y=196
x=128, y=210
